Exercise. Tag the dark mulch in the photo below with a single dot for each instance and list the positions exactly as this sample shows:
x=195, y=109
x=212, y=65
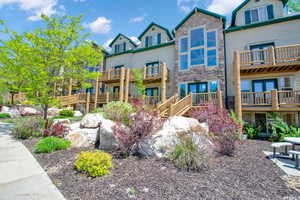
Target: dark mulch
x=247, y=175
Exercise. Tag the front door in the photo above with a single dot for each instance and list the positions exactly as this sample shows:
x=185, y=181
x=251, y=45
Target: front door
x=116, y=89
x=197, y=88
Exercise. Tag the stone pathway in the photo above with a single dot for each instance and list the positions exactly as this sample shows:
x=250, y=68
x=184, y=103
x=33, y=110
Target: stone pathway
x=21, y=176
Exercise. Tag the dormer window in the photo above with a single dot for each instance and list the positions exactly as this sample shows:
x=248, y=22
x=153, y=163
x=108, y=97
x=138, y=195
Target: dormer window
x=153, y=40
x=259, y=14
x=119, y=48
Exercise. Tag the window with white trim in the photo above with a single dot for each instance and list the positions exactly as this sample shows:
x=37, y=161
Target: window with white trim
x=120, y=47
x=197, y=47
x=211, y=48
x=183, y=54
x=259, y=14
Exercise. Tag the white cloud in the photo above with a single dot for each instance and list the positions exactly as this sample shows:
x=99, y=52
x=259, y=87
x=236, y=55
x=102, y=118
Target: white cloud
x=135, y=40
x=80, y=0
x=137, y=19
x=187, y=5
x=223, y=7
x=185, y=9
x=101, y=25
x=35, y=7
x=106, y=45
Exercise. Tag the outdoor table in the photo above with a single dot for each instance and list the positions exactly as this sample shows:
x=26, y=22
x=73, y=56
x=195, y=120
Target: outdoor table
x=294, y=141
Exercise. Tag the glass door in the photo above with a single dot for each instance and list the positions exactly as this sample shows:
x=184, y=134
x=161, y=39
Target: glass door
x=262, y=86
x=152, y=68
x=260, y=55
x=197, y=88
x=152, y=96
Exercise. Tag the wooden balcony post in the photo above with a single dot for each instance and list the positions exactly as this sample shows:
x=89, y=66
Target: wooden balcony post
x=107, y=97
x=164, y=82
x=171, y=110
x=219, y=99
x=54, y=90
x=144, y=72
x=96, y=92
x=191, y=99
x=175, y=97
x=70, y=87
x=127, y=79
x=87, y=108
x=237, y=79
x=275, y=103
x=122, y=78
x=108, y=74
x=272, y=55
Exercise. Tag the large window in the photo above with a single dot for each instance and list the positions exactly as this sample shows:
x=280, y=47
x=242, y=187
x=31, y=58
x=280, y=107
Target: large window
x=197, y=47
x=183, y=54
x=182, y=90
x=211, y=48
x=152, y=40
x=259, y=14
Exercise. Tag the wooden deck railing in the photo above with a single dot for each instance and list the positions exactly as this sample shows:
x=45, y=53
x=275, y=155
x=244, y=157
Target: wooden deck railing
x=114, y=96
x=111, y=74
x=151, y=72
x=165, y=106
x=204, y=98
x=152, y=100
x=270, y=56
x=181, y=105
x=274, y=99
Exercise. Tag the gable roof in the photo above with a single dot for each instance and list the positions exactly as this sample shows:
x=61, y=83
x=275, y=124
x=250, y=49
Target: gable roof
x=159, y=26
x=120, y=34
x=242, y=5
x=195, y=10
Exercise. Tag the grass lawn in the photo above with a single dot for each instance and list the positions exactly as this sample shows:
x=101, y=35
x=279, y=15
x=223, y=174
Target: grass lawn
x=247, y=175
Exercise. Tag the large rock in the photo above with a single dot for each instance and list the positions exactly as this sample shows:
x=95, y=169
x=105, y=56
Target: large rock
x=105, y=138
x=65, y=122
x=82, y=137
x=13, y=111
x=91, y=120
x=28, y=111
x=53, y=112
x=164, y=141
x=77, y=113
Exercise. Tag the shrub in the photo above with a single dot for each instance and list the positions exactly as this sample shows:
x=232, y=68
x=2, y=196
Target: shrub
x=66, y=113
x=4, y=115
x=225, y=131
x=118, y=111
x=95, y=163
x=58, y=129
x=251, y=131
x=51, y=144
x=141, y=126
x=28, y=127
x=27, y=102
x=186, y=154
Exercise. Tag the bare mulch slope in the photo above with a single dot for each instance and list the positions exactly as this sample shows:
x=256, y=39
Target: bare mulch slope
x=247, y=175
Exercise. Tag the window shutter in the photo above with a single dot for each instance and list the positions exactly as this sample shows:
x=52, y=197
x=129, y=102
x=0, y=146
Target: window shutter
x=247, y=17
x=270, y=12
x=146, y=41
x=158, y=38
x=116, y=48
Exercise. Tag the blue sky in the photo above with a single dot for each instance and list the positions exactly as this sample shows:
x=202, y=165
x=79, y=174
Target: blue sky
x=104, y=19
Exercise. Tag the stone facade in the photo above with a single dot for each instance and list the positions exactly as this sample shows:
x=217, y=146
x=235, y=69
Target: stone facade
x=201, y=73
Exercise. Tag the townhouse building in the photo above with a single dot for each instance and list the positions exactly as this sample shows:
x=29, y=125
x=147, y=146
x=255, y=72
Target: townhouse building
x=263, y=62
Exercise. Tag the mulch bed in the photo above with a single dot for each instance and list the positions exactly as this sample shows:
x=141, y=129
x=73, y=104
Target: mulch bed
x=247, y=175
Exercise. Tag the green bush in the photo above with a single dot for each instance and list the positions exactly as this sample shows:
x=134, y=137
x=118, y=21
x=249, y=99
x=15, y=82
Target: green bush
x=95, y=163
x=29, y=127
x=186, y=154
x=4, y=115
x=118, y=111
x=279, y=128
x=66, y=113
x=51, y=144
x=251, y=131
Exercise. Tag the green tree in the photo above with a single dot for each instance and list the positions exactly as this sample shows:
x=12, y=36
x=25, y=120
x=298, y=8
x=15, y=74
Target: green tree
x=138, y=76
x=294, y=5
x=57, y=51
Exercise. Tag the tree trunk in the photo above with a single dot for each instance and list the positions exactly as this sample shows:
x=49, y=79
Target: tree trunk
x=12, y=98
x=46, y=115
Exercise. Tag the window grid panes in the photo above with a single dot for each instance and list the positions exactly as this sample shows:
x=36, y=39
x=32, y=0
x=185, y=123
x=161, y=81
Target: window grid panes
x=183, y=54
x=211, y=49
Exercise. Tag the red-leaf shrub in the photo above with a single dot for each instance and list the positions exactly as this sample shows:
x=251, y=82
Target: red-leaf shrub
x=141, y=126
x=58, y=129
x=137, y=102
x=224, y=130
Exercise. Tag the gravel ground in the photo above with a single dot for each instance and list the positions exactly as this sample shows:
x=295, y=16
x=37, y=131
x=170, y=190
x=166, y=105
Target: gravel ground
x=247, y=175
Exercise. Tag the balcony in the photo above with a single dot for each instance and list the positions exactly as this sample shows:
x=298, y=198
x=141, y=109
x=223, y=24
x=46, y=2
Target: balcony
x=111, y=75
x=271, y=101
x=271, y=60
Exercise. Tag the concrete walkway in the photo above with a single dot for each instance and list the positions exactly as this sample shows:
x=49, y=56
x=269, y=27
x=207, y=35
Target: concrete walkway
x=21, y=176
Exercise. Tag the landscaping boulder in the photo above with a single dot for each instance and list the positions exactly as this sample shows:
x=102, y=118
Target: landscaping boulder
x=13, y=111
x=53, y=112
x=75, y=126
x=77, y=113
x=91, y=120
x=164, y=141
x=105, y=138
x=82, y=137
x=5, y=109
x=28, y=111
x=66, y=122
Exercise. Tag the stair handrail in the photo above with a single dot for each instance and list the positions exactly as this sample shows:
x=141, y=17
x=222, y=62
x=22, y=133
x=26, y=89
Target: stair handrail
x=187, y=100
x=165, y=105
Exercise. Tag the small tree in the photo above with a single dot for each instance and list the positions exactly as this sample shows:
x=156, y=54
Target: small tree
x=49, y=55
x=294, y=5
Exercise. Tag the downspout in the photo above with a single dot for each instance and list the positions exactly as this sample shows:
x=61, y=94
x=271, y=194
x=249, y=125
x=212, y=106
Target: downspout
x=225, y=62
